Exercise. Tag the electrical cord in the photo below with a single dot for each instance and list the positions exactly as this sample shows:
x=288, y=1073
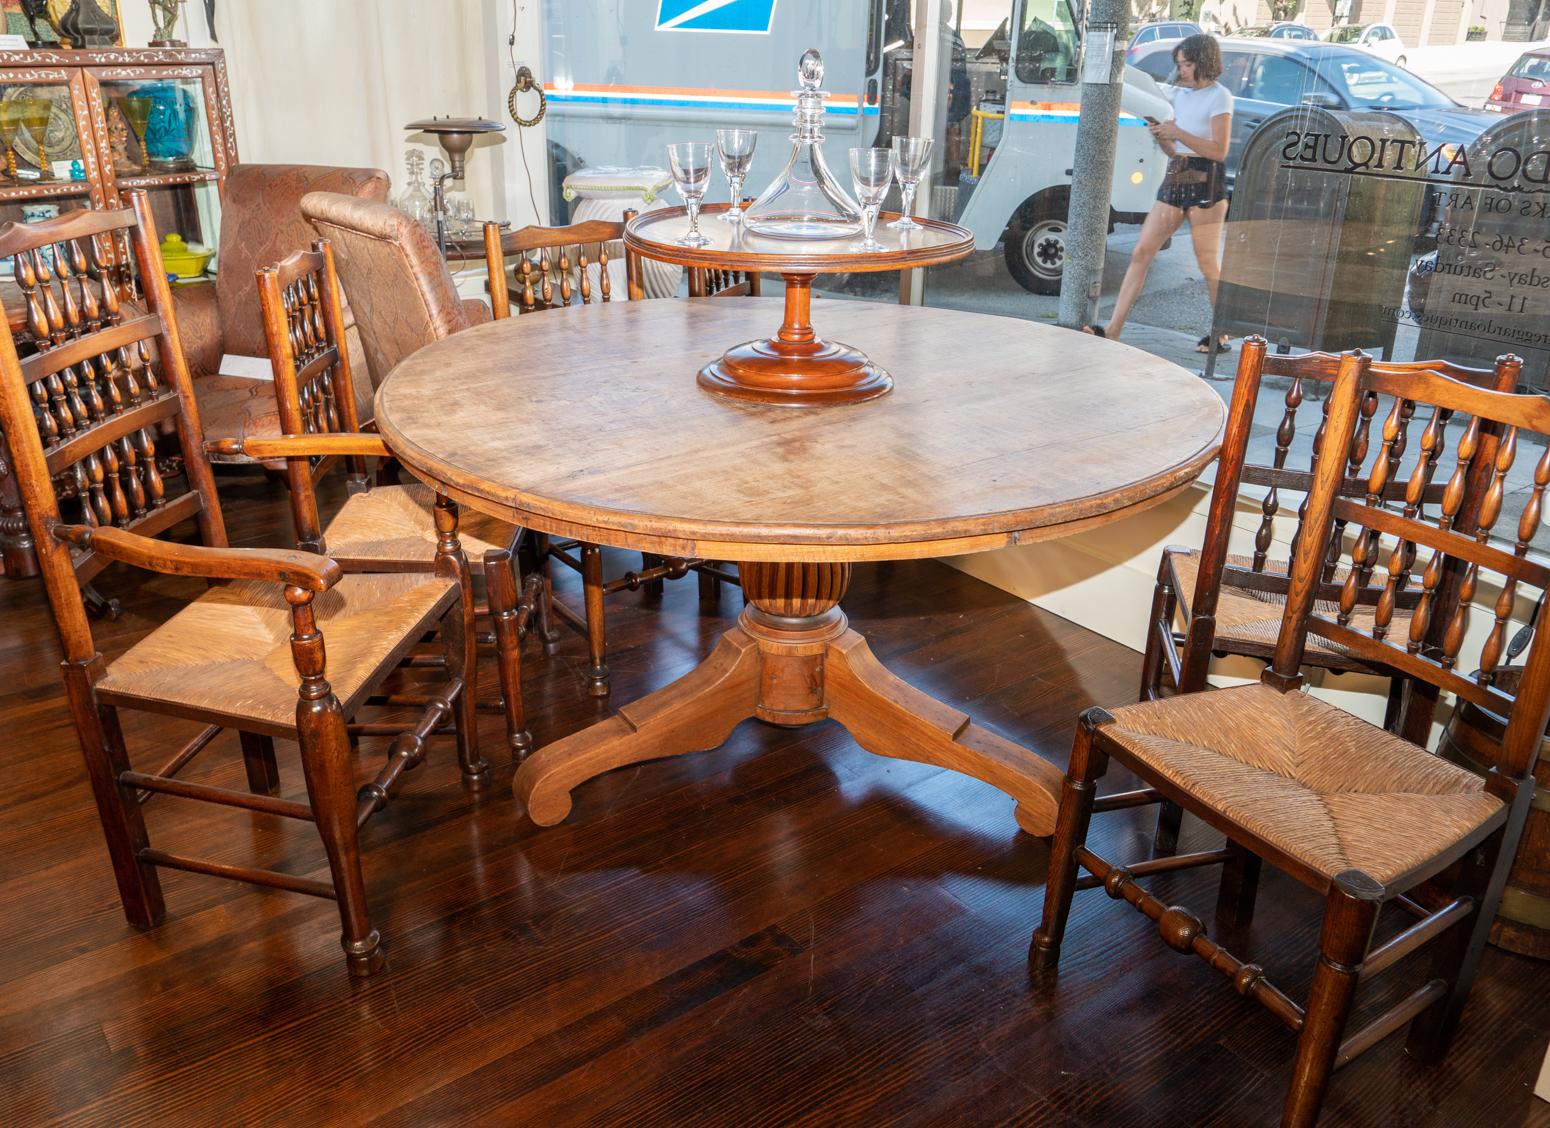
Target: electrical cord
x=523, y=83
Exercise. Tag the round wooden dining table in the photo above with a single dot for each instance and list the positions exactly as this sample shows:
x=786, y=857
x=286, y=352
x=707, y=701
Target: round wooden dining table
x=587, y=423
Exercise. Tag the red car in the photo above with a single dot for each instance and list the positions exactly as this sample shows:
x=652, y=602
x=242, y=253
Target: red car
x=1525, y=86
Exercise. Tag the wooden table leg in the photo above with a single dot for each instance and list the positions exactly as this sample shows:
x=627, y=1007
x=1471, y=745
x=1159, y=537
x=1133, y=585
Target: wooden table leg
x=791, y=660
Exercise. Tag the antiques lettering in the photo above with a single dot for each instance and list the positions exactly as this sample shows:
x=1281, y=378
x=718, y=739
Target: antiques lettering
x=1505, y=167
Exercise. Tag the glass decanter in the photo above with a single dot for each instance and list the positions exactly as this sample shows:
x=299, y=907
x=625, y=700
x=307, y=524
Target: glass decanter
x=414, y=201
x=805, y=201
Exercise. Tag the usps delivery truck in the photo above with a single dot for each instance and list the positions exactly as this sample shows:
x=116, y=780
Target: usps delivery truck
x=626, y=77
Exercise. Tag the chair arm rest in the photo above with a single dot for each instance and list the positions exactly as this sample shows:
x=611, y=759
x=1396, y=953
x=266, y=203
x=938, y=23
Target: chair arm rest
x=278, y=565
x=303, y=446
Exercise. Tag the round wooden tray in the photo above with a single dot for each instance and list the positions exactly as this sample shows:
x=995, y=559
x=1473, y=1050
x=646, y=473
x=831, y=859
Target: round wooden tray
x=796, y=367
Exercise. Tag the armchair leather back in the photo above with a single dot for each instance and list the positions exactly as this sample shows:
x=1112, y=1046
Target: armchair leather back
x=261, y=223
x=394, y=278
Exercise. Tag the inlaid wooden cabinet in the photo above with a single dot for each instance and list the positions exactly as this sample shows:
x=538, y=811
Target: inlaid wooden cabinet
x=188, y=143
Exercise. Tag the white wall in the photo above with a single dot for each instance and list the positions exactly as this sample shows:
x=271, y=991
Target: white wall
x=335, y=82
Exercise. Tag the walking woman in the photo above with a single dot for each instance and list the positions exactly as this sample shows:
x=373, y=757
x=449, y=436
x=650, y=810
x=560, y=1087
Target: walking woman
x=1195, y=187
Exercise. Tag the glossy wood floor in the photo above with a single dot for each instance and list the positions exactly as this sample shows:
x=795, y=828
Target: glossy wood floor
x=786, y=930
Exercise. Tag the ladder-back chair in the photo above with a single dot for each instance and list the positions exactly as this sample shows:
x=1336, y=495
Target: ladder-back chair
x=1209, y=602
x=1360, y=815
x=547, y=258
x=380, y=528
x=85, y=411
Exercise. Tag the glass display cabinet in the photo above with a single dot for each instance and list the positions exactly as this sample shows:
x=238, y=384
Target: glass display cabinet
x=81, y=128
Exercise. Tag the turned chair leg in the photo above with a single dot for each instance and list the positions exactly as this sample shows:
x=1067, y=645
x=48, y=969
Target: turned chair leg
x=1457, y=956
x=118, y=808
x=592, y=586
x=1350, y=912
x=501, y=585
x=710, y=589
x=458, y=640
x=1170, y=820
x=1238, y=886
x=1088, y=763
x=653, y=588
x=326, y=764
x=548, y=628
x=258, y=758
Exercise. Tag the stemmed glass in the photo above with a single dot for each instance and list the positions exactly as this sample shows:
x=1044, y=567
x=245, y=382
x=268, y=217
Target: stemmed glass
x=871, y=171
x=736, y=147
x=36, y=113
x=690, y=163
x=10, y=122
x=910, y=155
x=137, y=115
x=136, y=109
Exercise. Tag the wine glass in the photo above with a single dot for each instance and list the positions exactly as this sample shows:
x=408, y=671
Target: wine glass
x=136, y=109
x=736, y=147
x=690, y=164
x=910, y=155
x=35, y=113
x=871, y=171
x=10, y=122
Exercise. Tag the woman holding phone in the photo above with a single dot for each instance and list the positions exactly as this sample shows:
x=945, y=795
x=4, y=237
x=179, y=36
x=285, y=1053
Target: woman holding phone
x=1195, y=187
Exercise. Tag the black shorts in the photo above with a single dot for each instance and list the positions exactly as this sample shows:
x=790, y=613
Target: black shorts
x=1193, y=182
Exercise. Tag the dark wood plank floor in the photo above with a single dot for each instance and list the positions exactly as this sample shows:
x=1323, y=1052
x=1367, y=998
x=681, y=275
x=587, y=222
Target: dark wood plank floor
x=786, y=930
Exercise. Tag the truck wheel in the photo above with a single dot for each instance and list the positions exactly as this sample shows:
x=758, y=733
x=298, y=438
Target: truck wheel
x=1036, y=243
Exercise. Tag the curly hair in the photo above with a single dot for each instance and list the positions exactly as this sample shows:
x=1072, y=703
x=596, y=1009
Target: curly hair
x=1202, y=51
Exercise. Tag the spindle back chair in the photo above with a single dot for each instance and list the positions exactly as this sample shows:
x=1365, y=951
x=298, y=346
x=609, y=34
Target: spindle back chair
x=557, y=266
x=546, y=258
x=86, y=411
x=380, y=527
x=1209, y=602
x=1360, y=815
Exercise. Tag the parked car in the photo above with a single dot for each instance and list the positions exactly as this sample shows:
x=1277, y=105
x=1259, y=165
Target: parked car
x=1267, y=75
x=1277, y=31
x=1525, y=86
x=1381, y=39
x=1155, y=32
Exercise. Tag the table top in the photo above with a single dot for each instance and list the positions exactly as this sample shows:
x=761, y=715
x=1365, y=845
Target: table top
x=588, y=423
x=653, y=234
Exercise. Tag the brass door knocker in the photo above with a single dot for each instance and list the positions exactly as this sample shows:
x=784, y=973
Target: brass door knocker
x=526, y=82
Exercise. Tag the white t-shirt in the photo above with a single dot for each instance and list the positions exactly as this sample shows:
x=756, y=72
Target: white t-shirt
x=1194, y=109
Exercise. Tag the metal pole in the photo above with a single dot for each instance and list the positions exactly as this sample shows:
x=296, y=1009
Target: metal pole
x=1092, y=175
x=930, y=80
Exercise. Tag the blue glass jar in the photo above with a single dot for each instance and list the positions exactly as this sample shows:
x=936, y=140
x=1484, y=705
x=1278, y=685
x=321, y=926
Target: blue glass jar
x=169, y=131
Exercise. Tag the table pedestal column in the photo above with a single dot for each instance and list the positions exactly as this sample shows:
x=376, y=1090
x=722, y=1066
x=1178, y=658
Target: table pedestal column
x=791, y=660
x=796, y=367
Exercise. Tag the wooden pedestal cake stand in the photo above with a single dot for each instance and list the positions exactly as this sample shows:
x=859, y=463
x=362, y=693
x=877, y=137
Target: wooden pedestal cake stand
x=795, y=367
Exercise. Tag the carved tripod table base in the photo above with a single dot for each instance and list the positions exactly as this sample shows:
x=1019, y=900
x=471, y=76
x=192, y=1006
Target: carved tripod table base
x=791, y=660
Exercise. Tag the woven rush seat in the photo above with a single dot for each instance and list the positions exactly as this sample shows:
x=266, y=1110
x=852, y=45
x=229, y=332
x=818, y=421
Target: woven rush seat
x=1308, y=778
x=395, y=523
x=229, y=653
x=1253, y=618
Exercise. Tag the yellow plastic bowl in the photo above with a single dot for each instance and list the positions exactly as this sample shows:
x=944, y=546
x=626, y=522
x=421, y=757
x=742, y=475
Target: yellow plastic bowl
x=186, y=260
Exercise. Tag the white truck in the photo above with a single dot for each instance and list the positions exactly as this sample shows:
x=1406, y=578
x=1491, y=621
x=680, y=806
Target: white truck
x=626, y=77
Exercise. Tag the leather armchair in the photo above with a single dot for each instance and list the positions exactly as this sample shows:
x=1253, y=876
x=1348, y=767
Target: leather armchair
x=261, y=223
x=394, y=278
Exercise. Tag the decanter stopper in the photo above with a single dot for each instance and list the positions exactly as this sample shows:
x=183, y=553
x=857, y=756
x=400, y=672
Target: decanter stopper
x=810, y=69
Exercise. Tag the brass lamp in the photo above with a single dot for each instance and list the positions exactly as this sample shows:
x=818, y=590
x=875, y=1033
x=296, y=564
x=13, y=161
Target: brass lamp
x=456, y=136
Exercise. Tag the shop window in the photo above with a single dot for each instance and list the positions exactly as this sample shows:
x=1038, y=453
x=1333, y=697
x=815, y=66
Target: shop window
x=1048, y=46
